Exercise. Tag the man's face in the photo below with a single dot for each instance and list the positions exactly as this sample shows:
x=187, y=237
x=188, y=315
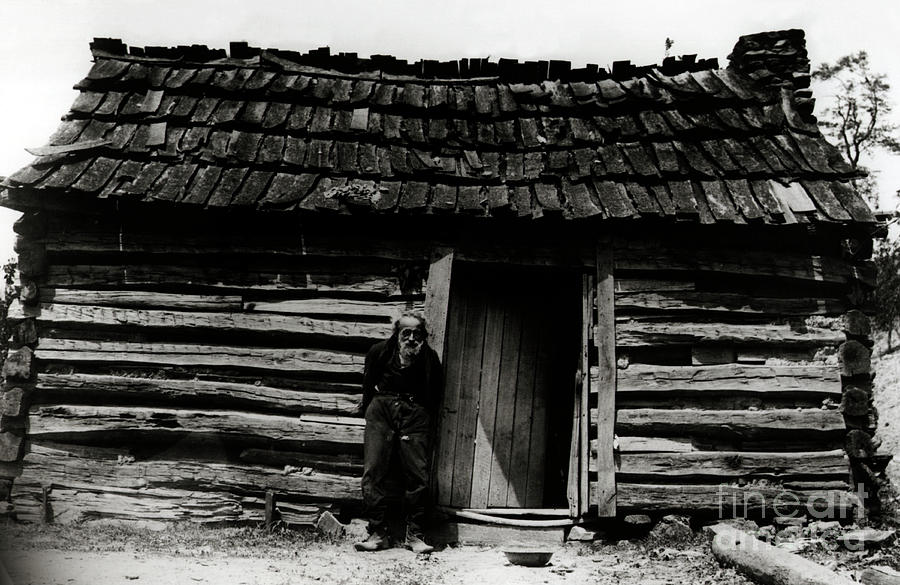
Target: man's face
x=411, y=336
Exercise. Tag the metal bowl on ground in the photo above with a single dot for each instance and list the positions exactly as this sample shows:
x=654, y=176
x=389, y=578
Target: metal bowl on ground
x=528, y=557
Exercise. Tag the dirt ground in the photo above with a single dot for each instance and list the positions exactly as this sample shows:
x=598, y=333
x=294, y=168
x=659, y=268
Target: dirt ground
x=342, y=566
x=105, y=556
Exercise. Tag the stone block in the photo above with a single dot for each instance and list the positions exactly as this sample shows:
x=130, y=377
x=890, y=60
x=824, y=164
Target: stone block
x=18, y=364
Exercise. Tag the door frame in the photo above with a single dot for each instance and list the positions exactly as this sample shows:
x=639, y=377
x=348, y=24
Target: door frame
x=586, y=498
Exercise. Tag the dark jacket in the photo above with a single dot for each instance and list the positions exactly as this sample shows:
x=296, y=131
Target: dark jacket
x=432, y=376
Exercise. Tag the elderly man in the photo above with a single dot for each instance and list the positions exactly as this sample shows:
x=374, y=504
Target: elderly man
x=401, y=395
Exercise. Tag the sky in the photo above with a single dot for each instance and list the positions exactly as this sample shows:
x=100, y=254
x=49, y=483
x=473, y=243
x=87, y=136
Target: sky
x=44, y=47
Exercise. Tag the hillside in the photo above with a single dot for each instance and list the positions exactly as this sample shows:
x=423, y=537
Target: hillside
x=887, y=402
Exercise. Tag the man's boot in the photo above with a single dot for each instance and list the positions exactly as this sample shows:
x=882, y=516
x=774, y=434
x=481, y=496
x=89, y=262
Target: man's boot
x=376, y=541
x=417, y=545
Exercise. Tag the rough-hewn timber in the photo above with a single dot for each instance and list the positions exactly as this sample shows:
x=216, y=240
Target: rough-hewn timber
x=61, y=469
x=678, y=301
x=199, y=393
x=634, y=333
x=818, y=379
x=732, y=500
x=76, y=423
x=730, y=465
x=293, y=360
x=69, y=315
x=749, y=424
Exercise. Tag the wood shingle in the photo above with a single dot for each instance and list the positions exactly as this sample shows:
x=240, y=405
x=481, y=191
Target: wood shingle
x=653, y=140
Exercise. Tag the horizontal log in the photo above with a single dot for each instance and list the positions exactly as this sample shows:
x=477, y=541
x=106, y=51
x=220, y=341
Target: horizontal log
x=532, y=254
x=70, y=388
x=775, y=355
x=681, y=301
x=64, y=469
x=650, y=285
x=346, y=464
x=635, y=333
x=77, y=505
x=719, y=401
x=387, y=310
x=68, y=315
x=140, y=299
x=293, y=360
x=734, y=423
x=761, y=562
x=632, y=255
x=731, y=500
x=111, y=239
x=82, y=275
x=726, y=378
x=78, y=423
x=720, y=466
x=62, y=237
x=650, y=445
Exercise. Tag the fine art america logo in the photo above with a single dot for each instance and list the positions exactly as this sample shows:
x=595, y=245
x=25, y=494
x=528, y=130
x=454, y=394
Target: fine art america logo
x=736, y=502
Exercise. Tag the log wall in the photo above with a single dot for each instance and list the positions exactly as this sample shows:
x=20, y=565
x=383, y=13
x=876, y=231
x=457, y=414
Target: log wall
x=735, y=362
x=180, y=373
x=183, y=371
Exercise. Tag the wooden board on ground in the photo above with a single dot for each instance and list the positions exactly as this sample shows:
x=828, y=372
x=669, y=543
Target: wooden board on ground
x=502, y=536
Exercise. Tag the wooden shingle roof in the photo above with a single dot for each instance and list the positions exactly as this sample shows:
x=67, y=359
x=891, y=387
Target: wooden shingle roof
x=275, y=130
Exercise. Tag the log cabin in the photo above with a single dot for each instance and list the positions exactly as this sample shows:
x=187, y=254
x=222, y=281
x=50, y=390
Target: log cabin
x=648, y=285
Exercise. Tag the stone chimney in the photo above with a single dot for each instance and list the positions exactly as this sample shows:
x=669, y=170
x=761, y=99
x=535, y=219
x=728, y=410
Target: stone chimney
x=776, y=59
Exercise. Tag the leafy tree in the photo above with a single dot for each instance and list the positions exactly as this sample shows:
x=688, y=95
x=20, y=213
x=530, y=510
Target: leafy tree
x=887, y=288
x=10, y=292
x=858, y=119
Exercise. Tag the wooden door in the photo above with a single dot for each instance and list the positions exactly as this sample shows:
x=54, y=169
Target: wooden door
x=512, y=346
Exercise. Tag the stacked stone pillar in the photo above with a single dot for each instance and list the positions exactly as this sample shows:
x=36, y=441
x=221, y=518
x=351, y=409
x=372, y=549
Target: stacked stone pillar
x=19, y=373
x=866, y=463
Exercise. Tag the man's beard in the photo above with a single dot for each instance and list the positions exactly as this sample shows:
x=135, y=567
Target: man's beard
x=409, y=350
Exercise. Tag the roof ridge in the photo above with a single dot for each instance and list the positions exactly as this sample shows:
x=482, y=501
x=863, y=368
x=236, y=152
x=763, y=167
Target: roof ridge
x=509, y=70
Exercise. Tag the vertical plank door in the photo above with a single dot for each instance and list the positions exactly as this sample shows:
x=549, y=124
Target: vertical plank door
x=504, y=376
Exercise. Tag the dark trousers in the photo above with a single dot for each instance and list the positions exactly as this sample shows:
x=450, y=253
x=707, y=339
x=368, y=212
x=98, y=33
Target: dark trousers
x=395, y=428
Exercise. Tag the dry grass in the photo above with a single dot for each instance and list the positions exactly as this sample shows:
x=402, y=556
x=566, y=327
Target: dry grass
x=177, y=538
